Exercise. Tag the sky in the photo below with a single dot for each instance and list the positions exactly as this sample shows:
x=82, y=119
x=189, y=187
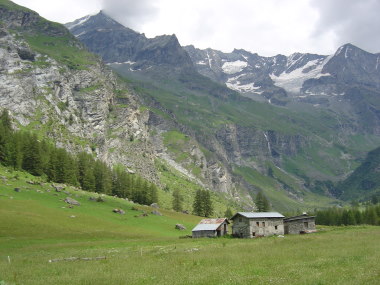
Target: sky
x=266, y=27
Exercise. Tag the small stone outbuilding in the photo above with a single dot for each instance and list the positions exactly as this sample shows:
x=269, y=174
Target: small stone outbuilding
x=299, y=224
x=259, y=224
x=211, y=228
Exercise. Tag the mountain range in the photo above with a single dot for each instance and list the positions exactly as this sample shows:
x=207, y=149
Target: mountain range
x=235, y=123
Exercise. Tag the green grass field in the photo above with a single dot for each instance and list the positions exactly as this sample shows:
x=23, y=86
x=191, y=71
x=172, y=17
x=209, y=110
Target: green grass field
x=37, y=226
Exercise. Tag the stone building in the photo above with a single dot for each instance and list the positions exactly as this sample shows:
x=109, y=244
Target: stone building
x=211, y=228
x=299, y=224
x=250, y=224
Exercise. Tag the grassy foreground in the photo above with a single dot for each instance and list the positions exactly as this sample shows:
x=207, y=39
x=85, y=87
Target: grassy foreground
x=35, y=228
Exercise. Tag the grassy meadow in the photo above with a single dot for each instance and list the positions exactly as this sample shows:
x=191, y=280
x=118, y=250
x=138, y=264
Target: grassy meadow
x=36, y=226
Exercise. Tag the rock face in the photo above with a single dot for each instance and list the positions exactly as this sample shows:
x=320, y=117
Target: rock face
x=118, y=44
x=85, y=103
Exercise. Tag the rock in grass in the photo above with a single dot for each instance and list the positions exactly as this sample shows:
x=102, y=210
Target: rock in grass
x=157, y=213
x=71, y=201
x=180, y=227
x=17, y=190
x=118, y=211
x=155, y=205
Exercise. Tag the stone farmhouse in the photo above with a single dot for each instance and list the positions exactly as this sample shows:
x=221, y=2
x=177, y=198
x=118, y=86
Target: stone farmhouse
x=211, y=228
x=299, y=224
x=250, y=224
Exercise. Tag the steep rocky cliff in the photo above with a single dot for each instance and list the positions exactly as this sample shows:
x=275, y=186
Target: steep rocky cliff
x=81, y=108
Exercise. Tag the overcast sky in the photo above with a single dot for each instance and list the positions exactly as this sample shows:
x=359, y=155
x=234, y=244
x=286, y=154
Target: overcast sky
x=268, y=27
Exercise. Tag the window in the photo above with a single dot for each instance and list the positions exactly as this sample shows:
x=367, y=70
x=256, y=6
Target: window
x=275, y=227
x=253, y=234
x=306, y=224
x=258, y=224
x=263, y=224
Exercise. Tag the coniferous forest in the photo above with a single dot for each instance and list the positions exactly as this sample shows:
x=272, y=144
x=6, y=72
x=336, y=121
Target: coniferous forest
x=353, y=216
x=24, y=151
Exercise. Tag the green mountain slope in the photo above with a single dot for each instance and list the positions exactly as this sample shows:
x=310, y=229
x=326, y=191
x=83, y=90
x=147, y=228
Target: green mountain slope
x=364, y=182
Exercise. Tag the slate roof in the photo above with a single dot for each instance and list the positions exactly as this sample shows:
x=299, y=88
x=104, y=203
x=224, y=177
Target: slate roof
x=252, y=215
x=300, y=217
x=209, y=224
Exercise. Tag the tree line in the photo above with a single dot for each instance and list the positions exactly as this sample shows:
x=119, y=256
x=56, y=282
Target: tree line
x=351, y=216
x=24, y=151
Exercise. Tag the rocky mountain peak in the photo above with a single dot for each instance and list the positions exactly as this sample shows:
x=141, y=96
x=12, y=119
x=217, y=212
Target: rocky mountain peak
x=116, y=43
x=99, y=21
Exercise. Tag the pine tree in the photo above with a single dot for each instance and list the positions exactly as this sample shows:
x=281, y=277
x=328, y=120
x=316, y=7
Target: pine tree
x=207, y=206
x=153, y=194
x=262, y=203
x=85, y=172
x=228, y=214
x=5, y=120
x=6, y=136
x=198, y=204
x=177, y=201
x=32, y=159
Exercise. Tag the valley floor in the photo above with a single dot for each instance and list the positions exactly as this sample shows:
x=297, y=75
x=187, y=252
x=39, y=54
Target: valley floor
x=37, y=226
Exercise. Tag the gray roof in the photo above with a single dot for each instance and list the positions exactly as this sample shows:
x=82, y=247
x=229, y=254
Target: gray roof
x=205, y=227
x=209, y=224
x=300, y=217
x=252, y=215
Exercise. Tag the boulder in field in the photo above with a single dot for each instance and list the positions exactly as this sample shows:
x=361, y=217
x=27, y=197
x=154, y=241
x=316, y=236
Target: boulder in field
x=71, y=201
x=155, y=205
x=157, y=213
x=118, y=211
x=180, y=227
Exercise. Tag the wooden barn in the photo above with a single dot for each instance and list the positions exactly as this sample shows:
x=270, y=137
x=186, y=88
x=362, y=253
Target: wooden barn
x=299, y=224
x=259, y=224
x=211, y=228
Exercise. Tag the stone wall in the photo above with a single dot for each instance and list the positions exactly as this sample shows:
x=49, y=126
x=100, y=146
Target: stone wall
x=298, y=226
x=249, y=228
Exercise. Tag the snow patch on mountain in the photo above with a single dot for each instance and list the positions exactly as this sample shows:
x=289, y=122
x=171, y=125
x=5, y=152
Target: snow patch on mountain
x=233, y=67
x=79, y=22
x=201, y=62
x=293, y=81
x=234, y=84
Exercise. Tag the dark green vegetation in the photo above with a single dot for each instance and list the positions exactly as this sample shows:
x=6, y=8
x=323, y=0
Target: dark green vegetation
x=23, y=151
x=351, y=216
x=364, y=182
x=37, y=226
x=262, y=203
x=202, y=204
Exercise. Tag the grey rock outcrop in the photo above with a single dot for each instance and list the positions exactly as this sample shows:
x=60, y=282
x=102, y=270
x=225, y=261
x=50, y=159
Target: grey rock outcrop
x=71, y=201
x=118, y=211
x=180, y=227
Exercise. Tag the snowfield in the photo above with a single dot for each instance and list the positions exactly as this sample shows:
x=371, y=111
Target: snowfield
x=233, y=67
